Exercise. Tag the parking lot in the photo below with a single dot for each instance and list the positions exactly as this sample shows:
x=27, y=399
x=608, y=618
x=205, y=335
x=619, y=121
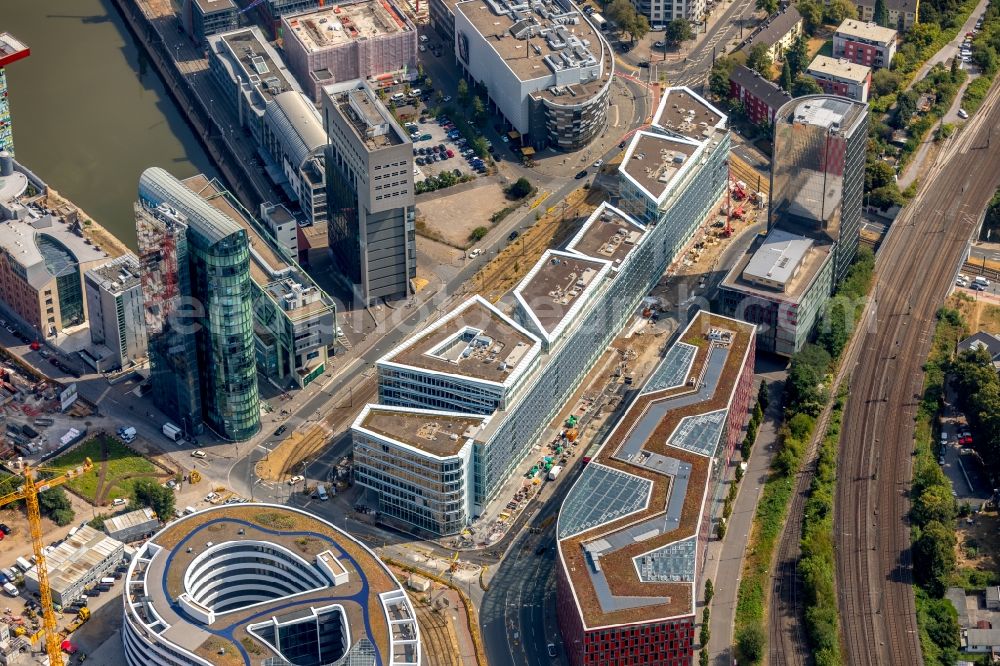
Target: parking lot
x=438, y=147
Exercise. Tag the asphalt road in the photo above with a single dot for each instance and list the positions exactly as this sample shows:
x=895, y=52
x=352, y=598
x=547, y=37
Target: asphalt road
x=518, y=614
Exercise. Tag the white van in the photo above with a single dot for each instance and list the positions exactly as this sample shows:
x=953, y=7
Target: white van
x=321, y=492
x=127, y=434
x=398, y=97
x=423, y=39
x=22, y=564
x=10, y=589
x=188, y=510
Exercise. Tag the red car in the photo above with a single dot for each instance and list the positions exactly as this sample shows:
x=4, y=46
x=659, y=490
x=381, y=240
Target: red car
x=451, y=153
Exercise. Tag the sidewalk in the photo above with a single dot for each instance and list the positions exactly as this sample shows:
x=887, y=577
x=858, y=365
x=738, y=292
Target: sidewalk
x=725, y=558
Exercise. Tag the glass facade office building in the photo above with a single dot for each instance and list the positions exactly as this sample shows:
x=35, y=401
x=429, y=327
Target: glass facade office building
x=817, y=180
x=219, y=304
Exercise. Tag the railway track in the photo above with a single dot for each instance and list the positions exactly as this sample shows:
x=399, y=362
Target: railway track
x=913, y=273
x=874, y=467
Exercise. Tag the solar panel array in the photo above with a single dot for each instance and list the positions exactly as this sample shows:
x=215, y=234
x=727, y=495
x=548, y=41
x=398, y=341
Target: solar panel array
x=699, y=434
x=601, y=495
x=673, y=369
x=673, y=563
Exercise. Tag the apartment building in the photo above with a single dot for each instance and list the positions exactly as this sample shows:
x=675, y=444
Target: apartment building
x=777, y=33
x=903, y=14
x=841, y=77
x=760, y=98
x=864, y=43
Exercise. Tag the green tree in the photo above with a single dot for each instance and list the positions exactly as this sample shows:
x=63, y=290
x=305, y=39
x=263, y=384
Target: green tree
x=886, y=197
x=148, y=493
x=478, y=234
x=709, y=590
x=718, y=79
x=763, y=396
x=885, y=82
x=881, y=13
x=759, y=60
x=628, y=20
x=767, y=6
x=878, y=174
x=934, y=557
x=804, y=386
x=750, y=642
x=478, y=111
x=703, y=658
x=678, y=30
x=805, y=85
x=954, y=70
x=797, y=56
x=479, y=147
x=54, y=504
x=812, y=15
x=463, y=91
x=838, y=10
x=786, y=76
x=705, y=633
x=906, y=106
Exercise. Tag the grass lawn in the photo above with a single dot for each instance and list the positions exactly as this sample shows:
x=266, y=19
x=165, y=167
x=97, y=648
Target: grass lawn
x=122, y=467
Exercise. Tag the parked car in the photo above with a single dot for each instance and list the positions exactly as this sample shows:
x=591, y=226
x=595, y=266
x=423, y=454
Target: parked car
x=582, y=174
x=475, y=253
x=295, y=479
x=598, y=164
x=963, y=114
x=513, y=235
x=199, y=454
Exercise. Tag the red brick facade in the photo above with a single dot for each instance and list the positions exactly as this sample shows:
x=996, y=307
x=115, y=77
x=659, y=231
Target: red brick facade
x=756, y=110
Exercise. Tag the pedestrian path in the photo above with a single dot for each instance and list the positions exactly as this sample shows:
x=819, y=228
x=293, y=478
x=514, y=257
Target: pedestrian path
x=725, y=558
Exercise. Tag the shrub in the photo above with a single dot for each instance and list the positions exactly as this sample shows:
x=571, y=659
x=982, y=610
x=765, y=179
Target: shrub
x=750, y=642
x=478, y=234
x=519, y=189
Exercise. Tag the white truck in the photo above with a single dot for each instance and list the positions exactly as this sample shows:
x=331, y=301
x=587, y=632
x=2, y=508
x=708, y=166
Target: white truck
x=321, y=492
x=172, y=432
x=554, y=472
x=23, y=564
x=10, y=589
x=599, y=21
x=127, y=434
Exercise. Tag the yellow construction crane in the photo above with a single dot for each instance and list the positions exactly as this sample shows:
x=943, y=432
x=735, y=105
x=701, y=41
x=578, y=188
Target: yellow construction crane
x=29, y=493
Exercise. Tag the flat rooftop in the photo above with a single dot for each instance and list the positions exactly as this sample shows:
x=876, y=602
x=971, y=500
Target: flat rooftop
x=871, y=31
x=628, y=530
x=162, y=578
x=684, y=112
x=337, y=25
x=372, y=123
x=810, y=262
x=516, y=36
x=557, y=285
x=259, y=61
x=653, y=161
x=118, y=275
x=474, y=340
x=36, y=243
x=778, y=259
x=209, y=6
x=437, y=433
x=608, y=234
x=76, y=557
x=838, y=68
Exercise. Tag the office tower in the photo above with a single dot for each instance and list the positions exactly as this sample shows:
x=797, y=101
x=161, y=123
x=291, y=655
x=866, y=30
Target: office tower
x=117, y=312
x=369, y=166
x=785, y=279
x=195, y=265
x=818, y=173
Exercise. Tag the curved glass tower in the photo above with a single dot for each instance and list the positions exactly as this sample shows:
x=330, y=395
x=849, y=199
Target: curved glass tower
x=204, y=302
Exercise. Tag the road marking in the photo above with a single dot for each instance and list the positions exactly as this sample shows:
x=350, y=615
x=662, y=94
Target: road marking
x=263, y=448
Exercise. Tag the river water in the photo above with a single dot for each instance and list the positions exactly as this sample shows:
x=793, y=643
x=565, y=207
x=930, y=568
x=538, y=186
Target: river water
x=89, y=111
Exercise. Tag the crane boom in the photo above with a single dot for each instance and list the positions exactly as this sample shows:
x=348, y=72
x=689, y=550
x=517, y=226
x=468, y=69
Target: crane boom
x=29, y=493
